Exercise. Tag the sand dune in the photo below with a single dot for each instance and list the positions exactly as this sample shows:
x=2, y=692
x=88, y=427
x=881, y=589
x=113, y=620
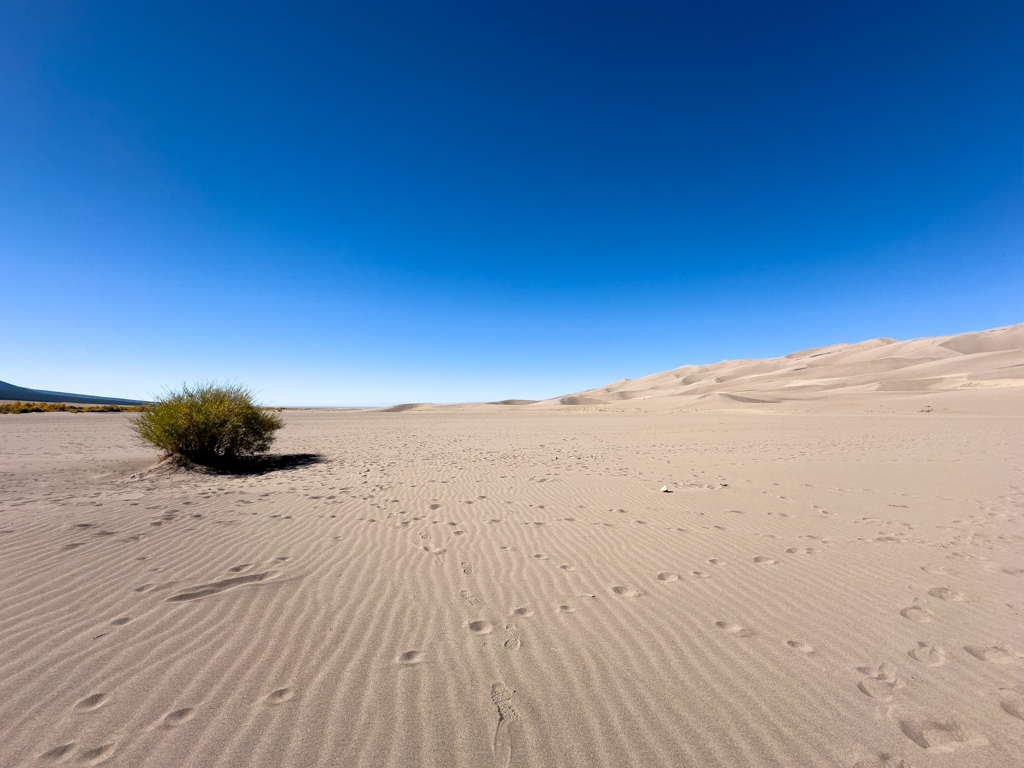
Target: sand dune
x=992, y=358
x=831, y=581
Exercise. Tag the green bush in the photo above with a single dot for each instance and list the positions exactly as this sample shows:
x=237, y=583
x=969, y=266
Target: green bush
x=208, y=423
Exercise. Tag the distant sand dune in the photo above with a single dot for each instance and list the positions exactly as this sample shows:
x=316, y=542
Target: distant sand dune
x=942, y=363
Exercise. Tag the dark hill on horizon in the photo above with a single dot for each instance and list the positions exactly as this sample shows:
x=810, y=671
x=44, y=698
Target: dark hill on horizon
x=12, y=392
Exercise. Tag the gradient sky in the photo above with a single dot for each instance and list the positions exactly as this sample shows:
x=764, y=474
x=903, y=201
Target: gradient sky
x=380, y=202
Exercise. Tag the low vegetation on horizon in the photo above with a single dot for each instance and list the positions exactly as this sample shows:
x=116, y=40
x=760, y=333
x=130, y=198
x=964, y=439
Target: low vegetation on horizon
x=20, y=407
x=208, y=424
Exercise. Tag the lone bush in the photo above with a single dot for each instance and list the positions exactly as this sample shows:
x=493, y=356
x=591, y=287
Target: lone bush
x=208, y=423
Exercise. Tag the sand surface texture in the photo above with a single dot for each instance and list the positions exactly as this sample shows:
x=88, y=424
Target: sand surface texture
x=834, y=580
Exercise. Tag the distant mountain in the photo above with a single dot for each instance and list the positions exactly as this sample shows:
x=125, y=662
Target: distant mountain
x=11, y=392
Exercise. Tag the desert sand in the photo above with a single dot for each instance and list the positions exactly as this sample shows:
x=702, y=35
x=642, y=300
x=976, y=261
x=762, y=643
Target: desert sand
x=833, y=577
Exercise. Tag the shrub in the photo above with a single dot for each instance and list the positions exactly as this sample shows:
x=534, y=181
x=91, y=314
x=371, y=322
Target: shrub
x=20, y=407
x=208, y=423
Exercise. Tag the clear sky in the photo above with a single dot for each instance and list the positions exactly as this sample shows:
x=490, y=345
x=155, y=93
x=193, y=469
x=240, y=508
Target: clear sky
x=378, y=202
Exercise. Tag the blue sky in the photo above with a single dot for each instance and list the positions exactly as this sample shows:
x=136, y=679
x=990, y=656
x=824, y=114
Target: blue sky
x=379, y=202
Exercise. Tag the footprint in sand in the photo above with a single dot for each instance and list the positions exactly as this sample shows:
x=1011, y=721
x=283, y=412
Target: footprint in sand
x=205, y=590
x=1012, y=702
x=121, y=621
x=524, y=611
x=929, y=654
x=625, y=592
x=668, y=576
x=763, y=560
x=410, y=658
x=565, y=609
x=503, y=698
x=995, y=654
x=940, y=736
x=540, y=557
x=700, y=574
x=58, y=752
x=89, y=703
x=945, y=593
x=176, y=718
x=513, y=638
x=884, y=760
x=480, y=627
x=717, y=561
x=881, y=682
x=735, y=630
x=917, y=613
x=796, y=645
x=90, y=755
x=567, y=568
x=280, y=696
x=801, y=551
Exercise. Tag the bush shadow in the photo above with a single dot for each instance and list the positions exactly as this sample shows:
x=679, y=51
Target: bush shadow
x=250, y=465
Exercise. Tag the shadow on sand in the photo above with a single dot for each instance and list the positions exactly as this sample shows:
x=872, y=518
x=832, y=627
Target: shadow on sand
x=250, y=465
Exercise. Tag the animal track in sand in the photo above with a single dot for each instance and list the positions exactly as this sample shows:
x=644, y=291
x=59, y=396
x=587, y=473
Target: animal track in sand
x=796, y=645
x=524, y=611
x=89, y=703
x=917, y=613
x=700, y=574
x=176, y=718
x=410, y=657
x=801, y=551
x=467, y=567
x=995, y=654
x=625, y=592
x=945, y=593
x=540, y=557
x=668, y=576
x=205, y=590
x=565, y=609
x=929, y=654
x=717, y=561
x=567, y=568
x=480, y=627
x=281, y=695
x=939, y=736
x=735, y=630
x=763, y=560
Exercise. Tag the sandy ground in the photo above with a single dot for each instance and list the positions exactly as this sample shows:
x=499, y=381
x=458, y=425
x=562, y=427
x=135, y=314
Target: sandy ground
x=830, y=582
x=511, y=588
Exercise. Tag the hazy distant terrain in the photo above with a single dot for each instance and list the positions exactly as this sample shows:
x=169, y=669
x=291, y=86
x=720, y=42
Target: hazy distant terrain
x=25, y=394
